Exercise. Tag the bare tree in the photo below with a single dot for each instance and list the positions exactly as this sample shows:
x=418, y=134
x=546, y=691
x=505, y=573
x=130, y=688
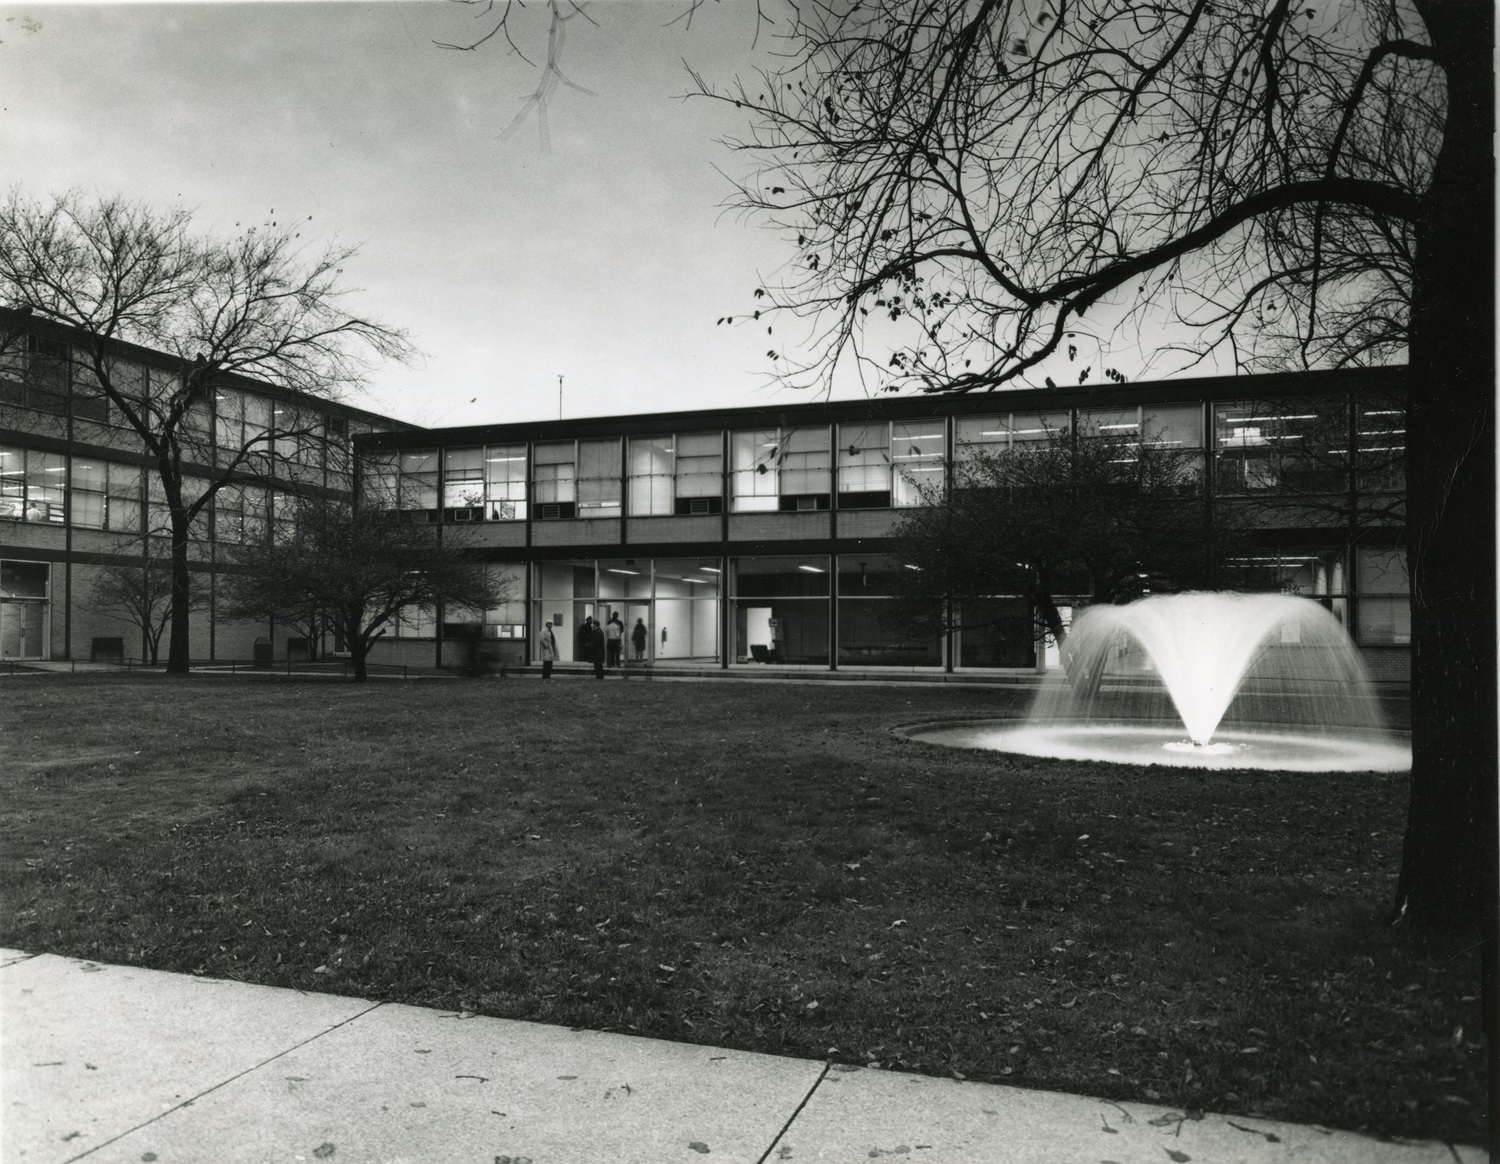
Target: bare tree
x=971, y=184
x=255, y=305
x=353, y=572
x=140, y=594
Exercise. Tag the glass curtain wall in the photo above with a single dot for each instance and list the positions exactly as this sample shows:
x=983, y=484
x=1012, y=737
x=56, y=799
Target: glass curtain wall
x=668, y=609
x=780, y=610
x=877, y=629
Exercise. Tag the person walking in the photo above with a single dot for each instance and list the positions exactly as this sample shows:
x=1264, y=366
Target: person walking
x=614, y=635
x=638, y=638
x=549, y=651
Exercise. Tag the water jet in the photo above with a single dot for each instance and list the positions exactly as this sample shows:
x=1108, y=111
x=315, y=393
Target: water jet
x=1252, y=680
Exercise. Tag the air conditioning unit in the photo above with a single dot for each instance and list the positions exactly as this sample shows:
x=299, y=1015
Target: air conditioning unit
x=549, y=511
x=700, y=505
x=807, y=503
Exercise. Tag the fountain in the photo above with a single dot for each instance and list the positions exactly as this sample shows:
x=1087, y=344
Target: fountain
x=1254, y=680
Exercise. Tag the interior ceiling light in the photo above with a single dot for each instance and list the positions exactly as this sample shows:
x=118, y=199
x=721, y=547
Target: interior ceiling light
x=613, y=570
x=812, y=569
x=709, y=569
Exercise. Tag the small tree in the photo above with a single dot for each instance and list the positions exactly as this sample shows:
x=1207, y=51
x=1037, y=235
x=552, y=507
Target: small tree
x=254, y=305
x=140, y=595
x=353, y=571
x=1086, y=513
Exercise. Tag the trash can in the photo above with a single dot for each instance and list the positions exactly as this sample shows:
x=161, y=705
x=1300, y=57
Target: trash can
x=262, y=654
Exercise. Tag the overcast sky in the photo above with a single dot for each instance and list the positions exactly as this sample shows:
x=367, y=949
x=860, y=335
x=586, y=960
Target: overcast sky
x=606, y=258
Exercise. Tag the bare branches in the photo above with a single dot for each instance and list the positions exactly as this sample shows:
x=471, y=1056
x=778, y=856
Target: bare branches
x=963, y=181
x=256, y=305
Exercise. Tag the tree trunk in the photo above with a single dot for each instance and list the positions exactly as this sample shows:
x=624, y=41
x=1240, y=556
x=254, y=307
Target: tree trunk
x=1449, y=859
x=1448, y=864
x=178, y=650
x=359, y=650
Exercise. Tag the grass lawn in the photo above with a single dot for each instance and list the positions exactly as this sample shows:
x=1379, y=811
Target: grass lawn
x=754, y=865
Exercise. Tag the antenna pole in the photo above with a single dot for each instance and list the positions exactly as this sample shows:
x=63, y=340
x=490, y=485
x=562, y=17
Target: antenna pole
x=559, y=398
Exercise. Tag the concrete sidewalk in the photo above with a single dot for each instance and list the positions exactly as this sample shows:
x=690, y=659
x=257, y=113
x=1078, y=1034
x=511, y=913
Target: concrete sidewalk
x=113, y=1063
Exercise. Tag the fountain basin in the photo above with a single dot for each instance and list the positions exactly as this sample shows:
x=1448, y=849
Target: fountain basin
x=1273, y=749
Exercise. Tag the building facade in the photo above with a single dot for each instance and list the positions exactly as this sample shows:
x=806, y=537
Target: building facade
x=81, y=506
x=762, y=537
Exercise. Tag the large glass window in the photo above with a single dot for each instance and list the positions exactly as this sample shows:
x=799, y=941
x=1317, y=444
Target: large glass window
x=89, y=481
x=89, y=400
x=419, y=485
x=240, y=514
x=864, y=466
x=123, y=511
x=676, y=474
x=917, y=455
x=700, y=472
x=877, y=629
x=463, y=484
x=1380, y=433
x=789, y=469
x=555, y=468
x=754, y=465
x=32, y=486
x=652, y=467
x=977, y=435
x=781, y=610
x=505, y=482
x=1291, y=447
x=599, y=478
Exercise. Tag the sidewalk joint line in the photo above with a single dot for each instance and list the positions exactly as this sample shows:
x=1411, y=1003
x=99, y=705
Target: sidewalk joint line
x=822, y=1075
x=224, y=1083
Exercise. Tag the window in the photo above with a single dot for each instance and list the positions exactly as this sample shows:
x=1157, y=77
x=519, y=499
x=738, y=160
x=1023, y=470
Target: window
x=676, y=474
x=505, y=482
x=753, y=459
x=599, y=478
x=123, y=507
x=418, y=498
x=780, y=610
x=700, y=472
x=89, y=401
x=555, y=469
x=1380, y=436
x=463, y=484
x=241, y=420
x=300, y=436
x=1384, y=595
x=32, y=486
x=864, y=466
x=889, y=464
x=978, y=435
x=1290, y=447
x=240, y=514
x=875, y=630
x=159, y=515
x=652, y=467
x=89, y=483
x=1174, y=431
x=782, y=468
x=917, y=454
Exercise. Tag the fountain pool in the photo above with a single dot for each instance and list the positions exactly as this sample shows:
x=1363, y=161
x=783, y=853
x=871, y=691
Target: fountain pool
x=1201, y=680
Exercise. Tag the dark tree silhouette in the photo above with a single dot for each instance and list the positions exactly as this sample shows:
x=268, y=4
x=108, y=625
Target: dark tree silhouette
x=1293, y=184
x=353, y=571
x=252, y=305
x=1092, y=514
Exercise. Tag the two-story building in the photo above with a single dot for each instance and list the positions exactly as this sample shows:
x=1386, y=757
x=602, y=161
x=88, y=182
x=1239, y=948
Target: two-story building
x=761, y=536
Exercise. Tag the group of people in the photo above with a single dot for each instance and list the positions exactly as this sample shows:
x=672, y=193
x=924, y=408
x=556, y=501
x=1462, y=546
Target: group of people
x=603, y=644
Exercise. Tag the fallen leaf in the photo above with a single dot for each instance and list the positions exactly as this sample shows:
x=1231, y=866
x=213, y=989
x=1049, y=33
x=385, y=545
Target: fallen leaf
x=324, y=1150
x=699, y=1146
x=1177, y=1157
